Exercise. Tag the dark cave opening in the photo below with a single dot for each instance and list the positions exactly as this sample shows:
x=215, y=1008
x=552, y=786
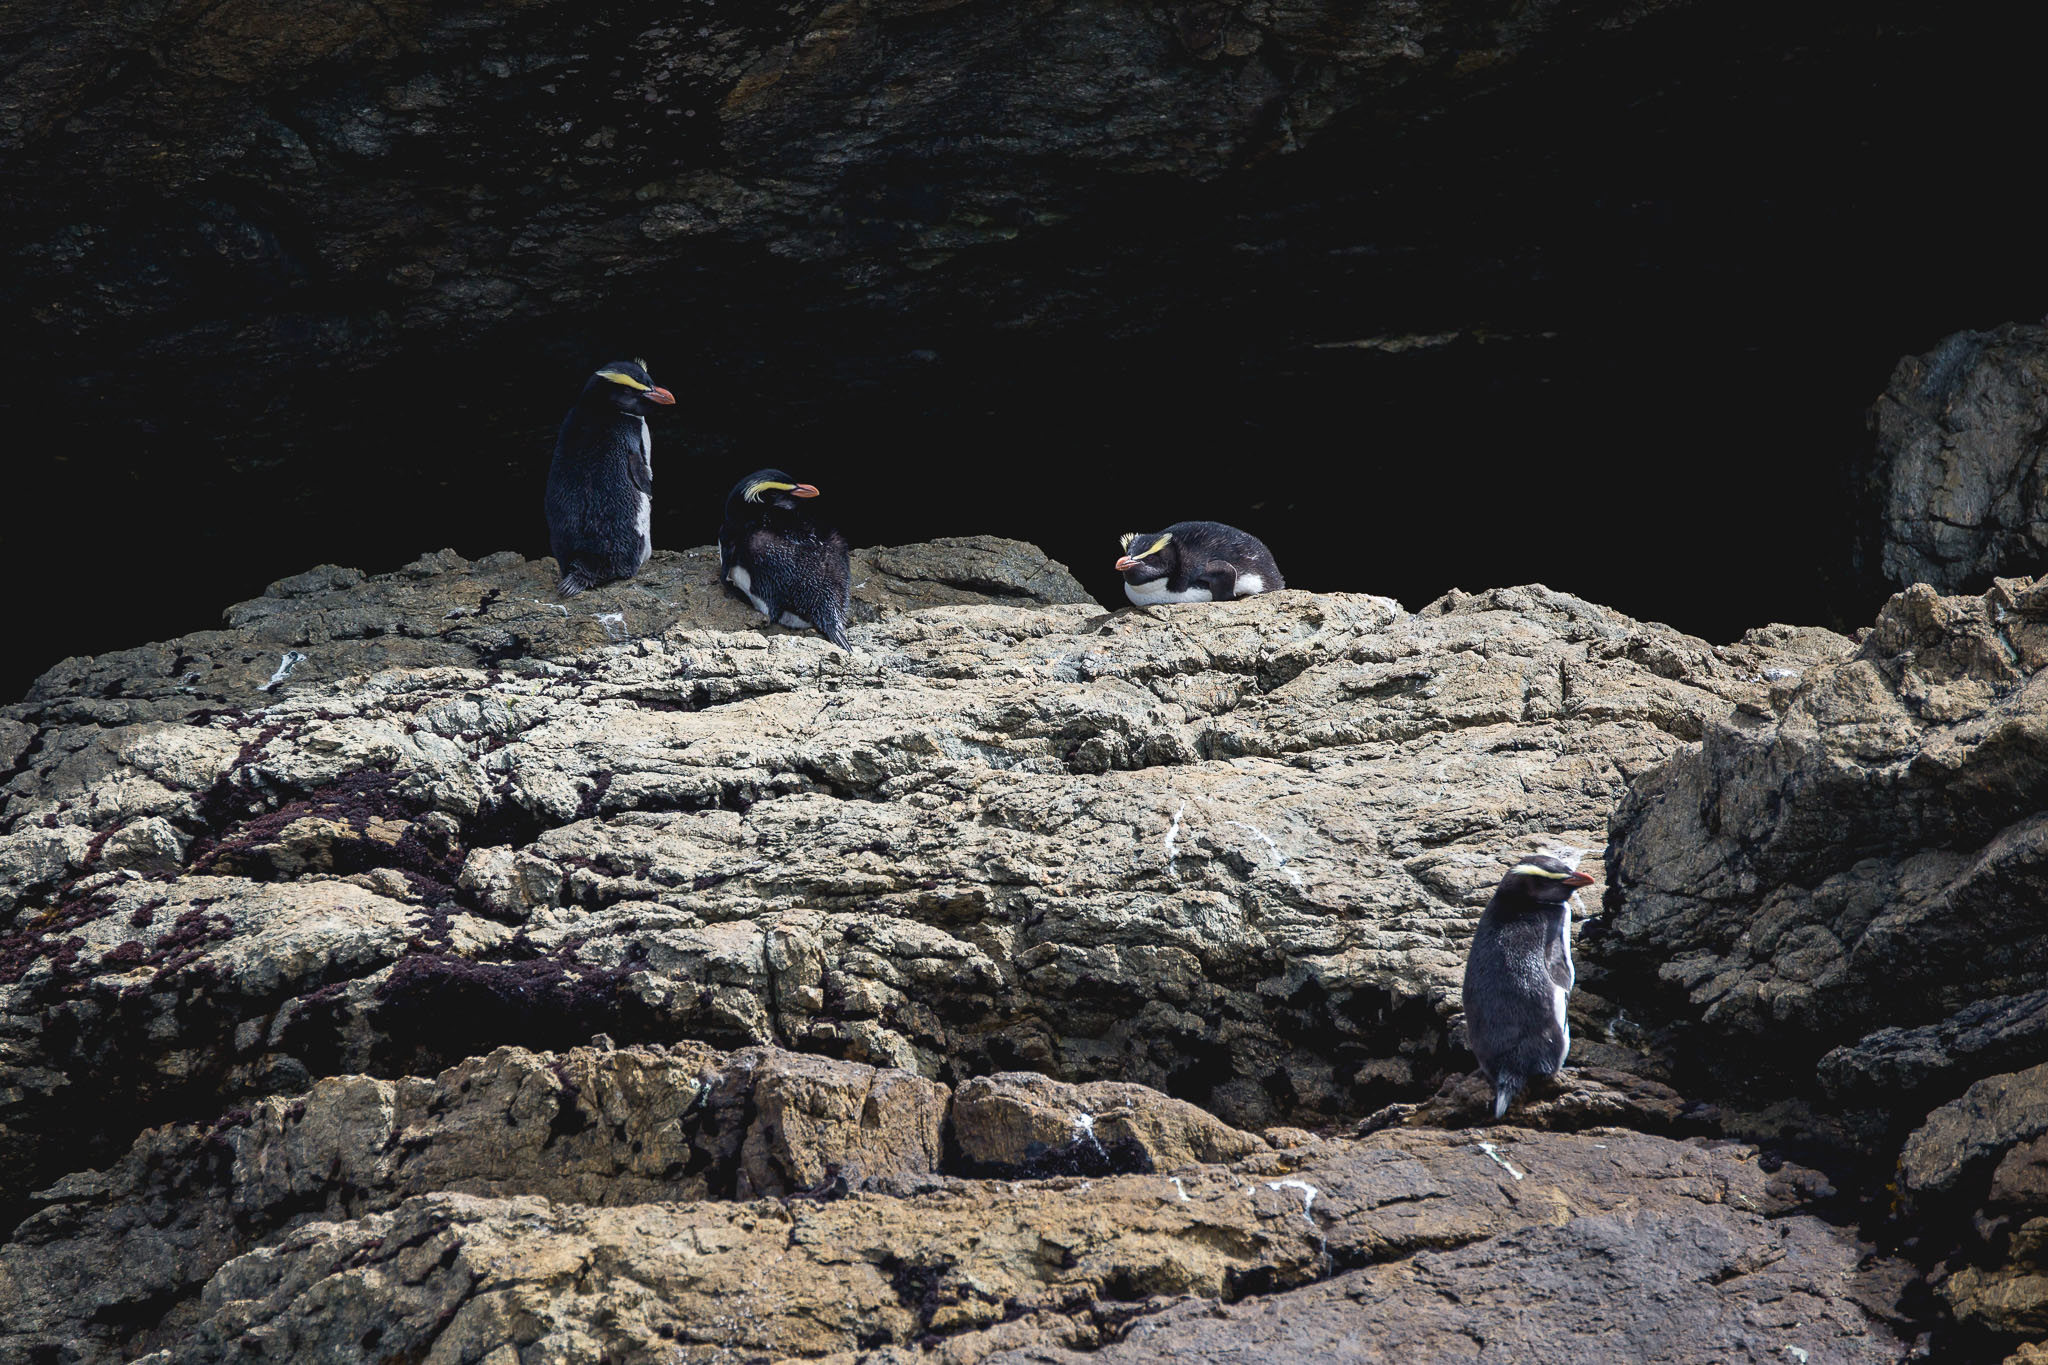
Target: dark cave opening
x=1656, y=283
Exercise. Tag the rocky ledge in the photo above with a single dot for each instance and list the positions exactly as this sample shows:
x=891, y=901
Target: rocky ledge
x=626, y=981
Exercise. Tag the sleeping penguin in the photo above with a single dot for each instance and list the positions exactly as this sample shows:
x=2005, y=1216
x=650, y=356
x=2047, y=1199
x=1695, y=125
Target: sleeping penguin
x=1196, y=561
x=1519, y=974
x=600, y=499
x=776, y=555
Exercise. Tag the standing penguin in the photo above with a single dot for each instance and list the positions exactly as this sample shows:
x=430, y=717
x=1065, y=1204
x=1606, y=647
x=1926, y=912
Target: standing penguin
x=1519, y=974
x=1196, y=561
x=600, y=499
x=791, y=567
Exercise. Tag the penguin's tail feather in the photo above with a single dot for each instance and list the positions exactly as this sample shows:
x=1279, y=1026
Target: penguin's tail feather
x=576, y=580
x=1505, y=1088
x=826, y=612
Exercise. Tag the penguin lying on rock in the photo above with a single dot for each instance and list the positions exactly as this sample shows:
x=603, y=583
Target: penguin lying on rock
x=1519, y=974
x=1196, y=561
x=776, y=555
x=600, y=499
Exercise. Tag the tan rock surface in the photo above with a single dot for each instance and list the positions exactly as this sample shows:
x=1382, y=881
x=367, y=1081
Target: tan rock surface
x=830, y=905
x=547, y=1203
x=1230, y=852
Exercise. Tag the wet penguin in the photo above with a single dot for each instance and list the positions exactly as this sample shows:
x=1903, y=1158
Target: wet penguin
x=1196, y=561
x=600, y=499
x=776, y=555
x=1519, y=974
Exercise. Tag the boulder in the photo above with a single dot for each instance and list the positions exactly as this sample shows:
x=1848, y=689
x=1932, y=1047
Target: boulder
x=1959, y=485
x=1977, y=1170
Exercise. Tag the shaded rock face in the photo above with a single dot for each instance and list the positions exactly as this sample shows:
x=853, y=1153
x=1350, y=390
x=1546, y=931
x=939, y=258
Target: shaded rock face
x=278, y=184
x=1960, y=483
x=1830, y=916
x=1231, y=853
x=1977, y=1171
x=1860, y=870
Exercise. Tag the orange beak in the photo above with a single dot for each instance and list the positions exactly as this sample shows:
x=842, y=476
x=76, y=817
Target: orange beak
x=1126, y=563
x=803, y=490
x=1578, y=879
x=660, y=395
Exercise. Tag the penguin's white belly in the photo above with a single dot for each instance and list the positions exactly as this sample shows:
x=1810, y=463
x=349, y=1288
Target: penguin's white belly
x=1156, y=591
x=744, y=581
x=1560, y=994
x=643, y=519
x=1250, y=583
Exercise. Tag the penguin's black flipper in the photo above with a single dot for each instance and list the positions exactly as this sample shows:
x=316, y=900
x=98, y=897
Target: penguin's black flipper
x=1220, y=578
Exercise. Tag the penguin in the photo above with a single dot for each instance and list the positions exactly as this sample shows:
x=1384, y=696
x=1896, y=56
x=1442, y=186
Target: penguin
x=1519, y=974
x=1196, y=561
x=600, y=498
x=777, y=556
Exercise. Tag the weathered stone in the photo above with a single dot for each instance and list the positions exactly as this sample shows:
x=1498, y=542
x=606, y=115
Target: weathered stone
x=402, y=1213
x=1960, y=1141
x=1229, y=851
x=1891, y=1064
x=1869, y=858
x=1960, y=485
x=1021, y=1122
x=1577, y=1098
x=1697, y=1284
x=595, y=1126
x=496, y=612
x=823, y=1126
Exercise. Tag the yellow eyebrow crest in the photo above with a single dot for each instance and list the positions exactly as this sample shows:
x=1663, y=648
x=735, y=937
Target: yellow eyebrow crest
x=755, y=490
x=1531, y=870
x=628, y=380
x=1158, y=545
x=1128, y=537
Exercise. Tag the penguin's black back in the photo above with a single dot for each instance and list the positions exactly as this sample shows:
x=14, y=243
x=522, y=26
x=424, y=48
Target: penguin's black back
x=600, y=494
x=1518, y=960
x=599, y=474
x=1206, y=540
x=795, y=562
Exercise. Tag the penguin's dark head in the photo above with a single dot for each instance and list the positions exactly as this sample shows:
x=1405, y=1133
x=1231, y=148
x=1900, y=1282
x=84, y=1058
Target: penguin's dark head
x=626, y=385
x=1541, y=877
x=1147, y=556
x=768, y=488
